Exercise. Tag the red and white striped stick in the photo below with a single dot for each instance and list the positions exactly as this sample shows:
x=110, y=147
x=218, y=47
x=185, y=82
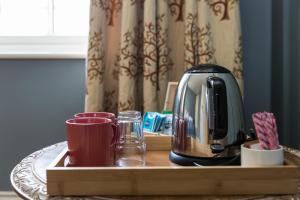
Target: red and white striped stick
x=260, y=130
x=266, y=130
x=272, y=130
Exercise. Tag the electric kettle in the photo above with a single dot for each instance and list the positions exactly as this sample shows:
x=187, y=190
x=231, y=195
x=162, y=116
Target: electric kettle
x=208, y=118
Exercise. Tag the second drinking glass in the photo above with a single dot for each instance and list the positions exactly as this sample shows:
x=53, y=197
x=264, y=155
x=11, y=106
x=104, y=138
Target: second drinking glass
x=131, y=147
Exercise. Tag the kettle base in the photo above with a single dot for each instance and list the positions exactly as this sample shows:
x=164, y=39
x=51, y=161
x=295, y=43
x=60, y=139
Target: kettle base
x=194, y=161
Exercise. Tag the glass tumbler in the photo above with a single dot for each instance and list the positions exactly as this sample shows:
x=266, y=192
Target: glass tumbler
x=131, y=147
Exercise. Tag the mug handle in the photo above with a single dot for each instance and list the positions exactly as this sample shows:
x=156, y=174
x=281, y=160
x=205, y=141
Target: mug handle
x=115, y=138
x=67, y=160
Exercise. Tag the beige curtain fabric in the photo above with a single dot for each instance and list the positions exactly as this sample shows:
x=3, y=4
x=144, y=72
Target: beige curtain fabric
x=137, y=46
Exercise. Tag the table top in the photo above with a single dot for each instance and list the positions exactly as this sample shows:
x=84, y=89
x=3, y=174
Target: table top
x=28, y=179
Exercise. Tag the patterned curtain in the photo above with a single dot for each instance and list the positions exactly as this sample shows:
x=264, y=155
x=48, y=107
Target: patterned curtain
x=137, y=46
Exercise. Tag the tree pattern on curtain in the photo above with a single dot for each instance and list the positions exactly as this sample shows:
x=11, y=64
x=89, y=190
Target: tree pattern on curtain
x=221, y=7
x=156, y=40
x=137, y=46
x=96, y=57
x=197, y=45
x=176, y=9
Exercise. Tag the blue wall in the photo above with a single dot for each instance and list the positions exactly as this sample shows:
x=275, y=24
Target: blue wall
x=38, y=95
x=286, y=69
x=257, y=43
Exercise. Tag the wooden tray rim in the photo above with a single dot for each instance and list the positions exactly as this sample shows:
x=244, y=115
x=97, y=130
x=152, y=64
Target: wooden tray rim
x=60, y=177
x=165, y=139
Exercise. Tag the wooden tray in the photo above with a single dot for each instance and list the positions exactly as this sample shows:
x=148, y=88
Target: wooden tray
x=161, y=177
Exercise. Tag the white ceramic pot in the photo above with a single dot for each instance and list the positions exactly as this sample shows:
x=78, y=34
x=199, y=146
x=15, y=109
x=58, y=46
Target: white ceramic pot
x=254, y=156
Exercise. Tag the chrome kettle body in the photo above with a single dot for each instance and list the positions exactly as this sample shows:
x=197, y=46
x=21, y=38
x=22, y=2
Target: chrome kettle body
x=208, y=117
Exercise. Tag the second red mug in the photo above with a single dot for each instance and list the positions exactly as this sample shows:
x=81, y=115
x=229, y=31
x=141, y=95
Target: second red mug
x=97, y=114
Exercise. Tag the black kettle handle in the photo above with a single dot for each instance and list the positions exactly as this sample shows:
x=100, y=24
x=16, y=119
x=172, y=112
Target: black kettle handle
x=217, y=107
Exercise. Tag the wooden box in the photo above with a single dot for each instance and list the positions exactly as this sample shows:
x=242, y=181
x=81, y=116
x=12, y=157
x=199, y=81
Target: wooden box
x=161, y=177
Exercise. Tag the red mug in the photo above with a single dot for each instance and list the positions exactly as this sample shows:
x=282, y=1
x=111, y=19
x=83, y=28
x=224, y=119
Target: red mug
x=91, y=141
x=97, y=114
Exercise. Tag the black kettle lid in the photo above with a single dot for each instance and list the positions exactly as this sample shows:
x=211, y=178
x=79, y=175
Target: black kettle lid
x=207, y=68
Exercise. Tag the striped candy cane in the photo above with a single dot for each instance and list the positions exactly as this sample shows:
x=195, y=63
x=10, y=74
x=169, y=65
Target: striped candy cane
x=272, y=131
x=260, y=130
x=266, y=129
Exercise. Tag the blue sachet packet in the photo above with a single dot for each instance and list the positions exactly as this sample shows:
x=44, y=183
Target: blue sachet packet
x=159, y=122
x=155, y=122
x=149, y=121
x=167, y=124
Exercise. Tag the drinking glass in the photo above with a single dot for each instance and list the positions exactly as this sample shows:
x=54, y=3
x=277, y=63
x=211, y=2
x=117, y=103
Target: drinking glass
x=130, y=147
